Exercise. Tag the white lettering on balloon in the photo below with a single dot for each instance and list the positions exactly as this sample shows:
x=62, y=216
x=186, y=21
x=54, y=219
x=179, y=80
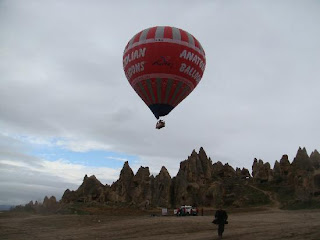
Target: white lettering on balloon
x=136, y=68
x=136, y=54
x=194, y=58
x=189, y=70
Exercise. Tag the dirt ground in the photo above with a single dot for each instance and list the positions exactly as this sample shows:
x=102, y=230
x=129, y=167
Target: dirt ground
x=267, y=224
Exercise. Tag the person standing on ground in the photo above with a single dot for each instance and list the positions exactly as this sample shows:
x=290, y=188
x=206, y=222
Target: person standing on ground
x=221, y=218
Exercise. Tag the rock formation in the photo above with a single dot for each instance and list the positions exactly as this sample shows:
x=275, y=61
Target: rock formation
x=195, y=173
x=200, y=182
x=261, y=171
x=50, y=203
x=161, y=192
x=140, y=193
x=122, y=187
x=315, y=159
x=302, y=161
x=91, y=189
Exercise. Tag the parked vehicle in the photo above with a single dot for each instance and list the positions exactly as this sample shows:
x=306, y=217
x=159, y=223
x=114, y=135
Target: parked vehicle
x=186, y=211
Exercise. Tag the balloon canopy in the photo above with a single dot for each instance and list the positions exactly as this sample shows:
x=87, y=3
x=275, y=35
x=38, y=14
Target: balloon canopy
x=163, y=65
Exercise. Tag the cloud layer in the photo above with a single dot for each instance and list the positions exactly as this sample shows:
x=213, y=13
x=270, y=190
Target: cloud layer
x=61, y=78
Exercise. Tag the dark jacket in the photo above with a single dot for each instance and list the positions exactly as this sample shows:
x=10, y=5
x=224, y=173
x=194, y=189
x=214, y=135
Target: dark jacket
x=221, y=217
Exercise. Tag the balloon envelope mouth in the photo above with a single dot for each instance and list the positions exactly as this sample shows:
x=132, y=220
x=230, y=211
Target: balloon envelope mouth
x=160, y=110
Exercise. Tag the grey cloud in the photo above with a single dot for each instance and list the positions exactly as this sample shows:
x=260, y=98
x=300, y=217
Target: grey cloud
x=61, y=75
x=21, y=184
x=21, y=179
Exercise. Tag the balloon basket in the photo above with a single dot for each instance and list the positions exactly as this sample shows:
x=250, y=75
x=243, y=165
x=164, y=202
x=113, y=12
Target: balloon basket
x=160, y=124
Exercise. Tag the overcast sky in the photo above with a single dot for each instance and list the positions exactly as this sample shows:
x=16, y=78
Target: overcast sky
x=67, y=109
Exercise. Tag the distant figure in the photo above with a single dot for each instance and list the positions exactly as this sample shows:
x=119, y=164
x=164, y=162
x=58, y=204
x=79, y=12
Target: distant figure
x=146, y=205
x=221, y=218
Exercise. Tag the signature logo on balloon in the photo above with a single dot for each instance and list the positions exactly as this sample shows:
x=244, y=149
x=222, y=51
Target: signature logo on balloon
x=163, y=61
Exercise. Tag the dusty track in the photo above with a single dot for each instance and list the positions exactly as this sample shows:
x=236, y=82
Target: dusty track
x=269, y=224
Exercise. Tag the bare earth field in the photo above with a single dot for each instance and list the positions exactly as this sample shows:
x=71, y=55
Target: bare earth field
x=264, y=224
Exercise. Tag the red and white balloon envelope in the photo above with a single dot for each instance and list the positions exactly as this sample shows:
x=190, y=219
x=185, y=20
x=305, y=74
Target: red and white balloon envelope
x=163, y=65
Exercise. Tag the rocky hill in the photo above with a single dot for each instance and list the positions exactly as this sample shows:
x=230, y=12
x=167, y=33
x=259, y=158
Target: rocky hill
x=49, y=205
x=200, y=182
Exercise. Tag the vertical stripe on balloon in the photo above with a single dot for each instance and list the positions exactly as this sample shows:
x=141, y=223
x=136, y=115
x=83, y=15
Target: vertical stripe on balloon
x=159, y=32
x=167, y=33
x=138, y=91
x=176, y=90
x=164, y=85
x=131, y=40
x=173, y=88
x=168, y=89
x=150, y=90
x=136, y=38
x=141, y=94
x=186, y=90
x=154, y=89
x=190, y=39
x=176, y=34
x=151, y=33
x=145, y=87
x=126, y=46
x=179, y=93
x=143, y=35
x=201, y=49
x=184, y=36
x=159, y=90
x=144, y=93
x=197, y=44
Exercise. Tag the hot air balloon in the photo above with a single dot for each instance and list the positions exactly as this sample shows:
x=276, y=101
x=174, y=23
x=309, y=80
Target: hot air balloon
x=163, y=65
